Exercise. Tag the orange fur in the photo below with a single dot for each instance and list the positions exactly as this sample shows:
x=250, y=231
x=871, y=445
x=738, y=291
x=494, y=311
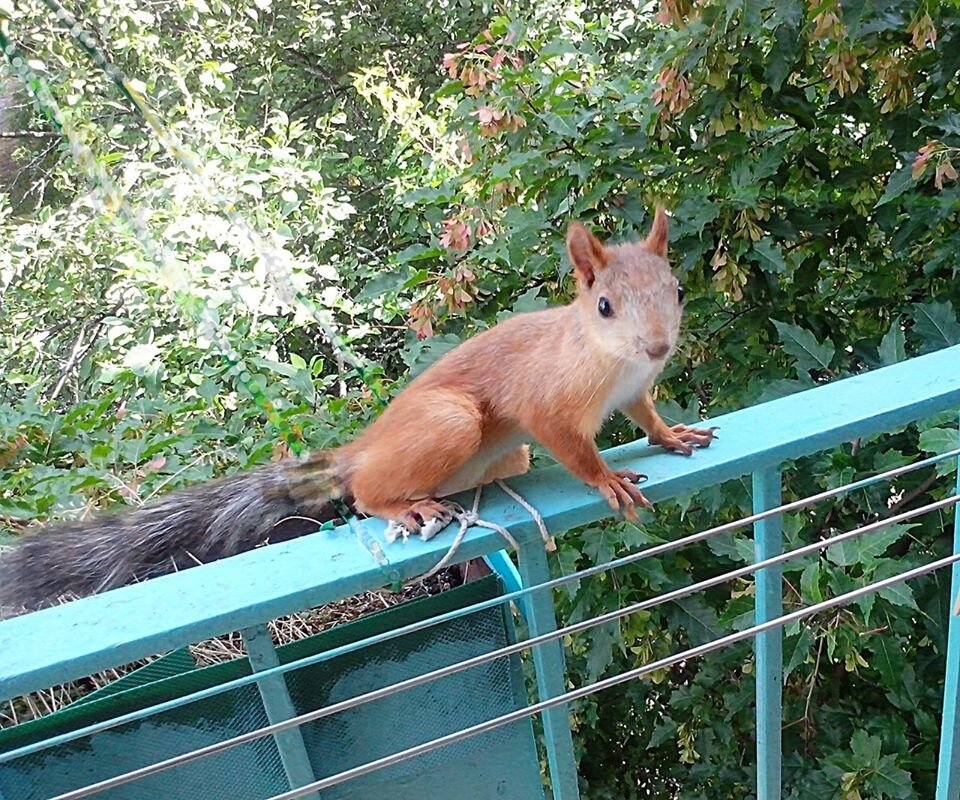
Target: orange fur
x=553, y=376
x=644, y=413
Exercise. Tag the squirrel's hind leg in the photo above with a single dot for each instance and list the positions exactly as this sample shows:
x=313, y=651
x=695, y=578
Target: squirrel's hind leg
x=509, y=465
x=396, y=475
x=429, y=517
x=424, y=517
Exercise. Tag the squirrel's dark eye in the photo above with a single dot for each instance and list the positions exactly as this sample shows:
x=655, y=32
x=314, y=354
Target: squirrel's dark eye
x=680, y=293
x=604, y=307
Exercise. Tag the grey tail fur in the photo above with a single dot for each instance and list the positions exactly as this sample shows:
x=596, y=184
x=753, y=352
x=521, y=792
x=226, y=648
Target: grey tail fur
x=179, y=530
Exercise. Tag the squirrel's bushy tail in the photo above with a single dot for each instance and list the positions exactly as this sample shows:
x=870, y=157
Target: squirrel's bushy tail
x=182, y=529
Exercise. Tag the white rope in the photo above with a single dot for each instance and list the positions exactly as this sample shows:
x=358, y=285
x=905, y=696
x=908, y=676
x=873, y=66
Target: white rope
x=466, y=520
x=472, y=518
x=548, y=541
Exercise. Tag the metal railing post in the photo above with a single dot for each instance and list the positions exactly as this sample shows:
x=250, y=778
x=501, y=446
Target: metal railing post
x=948, y=767
x=550, y=670
x=768, y=541
x=279, y=707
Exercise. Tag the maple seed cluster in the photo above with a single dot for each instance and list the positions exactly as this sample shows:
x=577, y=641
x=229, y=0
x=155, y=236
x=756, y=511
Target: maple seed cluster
x=479, y=67
x=672, y=93
x=941, y=156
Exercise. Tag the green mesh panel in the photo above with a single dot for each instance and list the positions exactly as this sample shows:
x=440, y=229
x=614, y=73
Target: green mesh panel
x=497, y=765
x=174, y=663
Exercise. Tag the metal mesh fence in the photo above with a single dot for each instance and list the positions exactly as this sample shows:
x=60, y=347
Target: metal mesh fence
x=500, y=764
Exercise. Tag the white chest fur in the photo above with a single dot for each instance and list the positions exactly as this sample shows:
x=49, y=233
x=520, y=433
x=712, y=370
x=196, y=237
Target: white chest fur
x=633, y=379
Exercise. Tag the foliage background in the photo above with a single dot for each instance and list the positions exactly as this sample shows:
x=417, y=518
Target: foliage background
x=421, y=162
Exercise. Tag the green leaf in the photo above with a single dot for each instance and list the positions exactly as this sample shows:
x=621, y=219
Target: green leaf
x=418, y=252
x=882, y=17
x=695, y=213
x=803, y=346
x=651, y=570
x=892, y=345
x=941, y=440
x=810, y=583
x=784, y=387
x=277, y=367
x=429, y=194
x=769, y=256
x=598, y=547
x=867, y=546
x=784, y=52
x=140, y=356
x=844, y=553
x=560, y=125
x=568, y=557
x=866, y=748
x=530, y=300
x=421, y=355
x=795, y=650
x=948, y=122
x=699, y=620
x=873, y=545
x=734, y=546
x=515, y=161
x=590, y=200
x=900, y=594
x=891, y=781
x=100, y=452
x=665, y=731
x=739, y=614
x=888, y=658
x=936, y=323
x=899, y=182
x=603, y=640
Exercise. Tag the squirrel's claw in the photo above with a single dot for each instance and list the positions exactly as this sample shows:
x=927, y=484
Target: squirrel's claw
x=630, y=475
x=395, y=531
x=622, y=495
x=683, y=438
x=425, y=518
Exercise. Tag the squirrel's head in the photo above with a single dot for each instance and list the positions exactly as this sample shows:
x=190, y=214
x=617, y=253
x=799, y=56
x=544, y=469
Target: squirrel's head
x=630, y=302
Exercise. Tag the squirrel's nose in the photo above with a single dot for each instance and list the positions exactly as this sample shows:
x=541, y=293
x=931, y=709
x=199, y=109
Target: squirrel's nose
x=657, y=349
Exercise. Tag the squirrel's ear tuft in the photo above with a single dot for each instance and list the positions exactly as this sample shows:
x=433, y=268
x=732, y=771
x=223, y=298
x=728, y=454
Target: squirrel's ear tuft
x=656, y=241
x=586, y=254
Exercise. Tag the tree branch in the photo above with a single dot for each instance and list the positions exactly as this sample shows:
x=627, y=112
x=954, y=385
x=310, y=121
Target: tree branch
x=28, y=134
x=909, y=497
x=79, y=352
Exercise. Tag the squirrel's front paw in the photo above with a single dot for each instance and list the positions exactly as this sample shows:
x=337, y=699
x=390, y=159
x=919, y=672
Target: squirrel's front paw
x=683, y=438
x=621, y=494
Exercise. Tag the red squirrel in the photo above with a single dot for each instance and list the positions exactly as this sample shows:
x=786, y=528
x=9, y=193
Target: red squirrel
x=550, y=376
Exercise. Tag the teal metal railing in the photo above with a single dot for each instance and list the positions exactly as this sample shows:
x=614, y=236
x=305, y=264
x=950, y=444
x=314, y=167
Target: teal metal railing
x=243, y=593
